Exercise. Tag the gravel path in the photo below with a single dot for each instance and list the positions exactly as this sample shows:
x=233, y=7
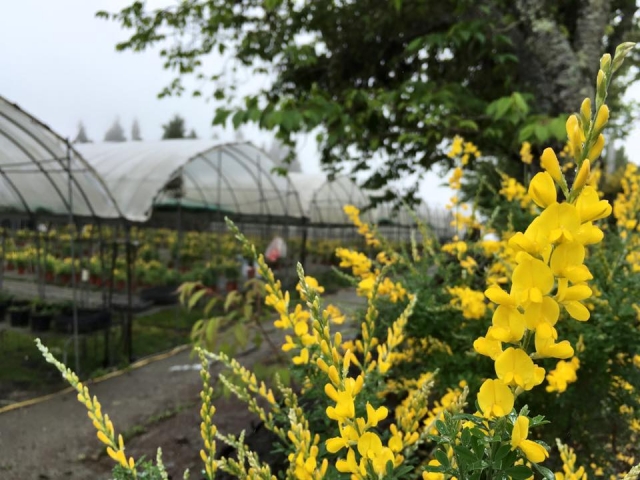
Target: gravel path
x=54, y=439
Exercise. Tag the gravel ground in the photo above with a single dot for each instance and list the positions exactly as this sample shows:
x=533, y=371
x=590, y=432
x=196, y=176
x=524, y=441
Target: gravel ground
x=157, y=403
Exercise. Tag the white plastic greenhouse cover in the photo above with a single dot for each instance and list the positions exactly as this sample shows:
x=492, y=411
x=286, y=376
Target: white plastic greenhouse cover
x=323, y=199
x=229, y=177
x=34, y=171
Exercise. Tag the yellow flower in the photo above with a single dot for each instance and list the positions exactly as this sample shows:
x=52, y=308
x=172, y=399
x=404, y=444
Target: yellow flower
x=495, y=398
x=525, y=153
x=542, y=190
x=534, y=452
x=546, y=345
x=515, y=368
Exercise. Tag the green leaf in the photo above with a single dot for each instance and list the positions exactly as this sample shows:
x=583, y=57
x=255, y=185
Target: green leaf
x=442, y=458
x=502, y=452
x=545, y=472
x=221, y=116
x=238, y=119
x=211, y=332
x=195, y=298
x=210, y=304
x=541, y=133
x=239, y=332
x=519, y=472
x=466, y=455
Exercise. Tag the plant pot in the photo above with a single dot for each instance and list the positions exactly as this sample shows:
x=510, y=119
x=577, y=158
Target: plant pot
x=48, y=277
x=232, y=285
x=41, y=322
x=20, y=318
x=160, y=295
x=89, y=320
x=21, y=270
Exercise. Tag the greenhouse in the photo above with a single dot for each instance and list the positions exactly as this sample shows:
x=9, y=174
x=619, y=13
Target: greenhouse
x=120, y=225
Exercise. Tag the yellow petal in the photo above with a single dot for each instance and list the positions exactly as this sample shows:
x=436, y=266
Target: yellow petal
x=542, y=190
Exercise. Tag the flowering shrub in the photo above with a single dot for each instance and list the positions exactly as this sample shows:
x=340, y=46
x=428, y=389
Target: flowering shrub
x=394, y=401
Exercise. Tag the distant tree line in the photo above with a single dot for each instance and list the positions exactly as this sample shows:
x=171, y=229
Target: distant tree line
x=175, y=128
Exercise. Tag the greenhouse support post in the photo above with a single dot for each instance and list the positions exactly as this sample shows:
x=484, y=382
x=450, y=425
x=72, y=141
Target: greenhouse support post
x=2, y=257
x=76, y=347
x=39, y=263
x=128, y=337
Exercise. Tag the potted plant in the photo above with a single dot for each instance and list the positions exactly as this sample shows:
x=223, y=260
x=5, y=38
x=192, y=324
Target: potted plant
x=5, y=303
x=19, y=313
x=63, y=271
x=89, y=320
x=232, y=274
x=41, y=315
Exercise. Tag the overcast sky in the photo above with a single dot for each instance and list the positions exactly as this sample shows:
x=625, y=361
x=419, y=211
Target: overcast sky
x=58, y=62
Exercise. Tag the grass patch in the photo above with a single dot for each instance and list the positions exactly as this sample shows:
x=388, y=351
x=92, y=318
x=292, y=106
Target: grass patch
x=25, y=374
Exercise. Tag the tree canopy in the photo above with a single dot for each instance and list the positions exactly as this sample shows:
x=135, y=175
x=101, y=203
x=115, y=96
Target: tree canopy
x=81, y=136
x=175, y=128
x=395, y=79
x=135, y=131
x=115, y=132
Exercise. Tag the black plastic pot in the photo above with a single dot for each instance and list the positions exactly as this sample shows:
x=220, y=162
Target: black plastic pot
x=89, y=320
x=160, y=295
x=3, y=310
x=41, y=322
x=20, y=317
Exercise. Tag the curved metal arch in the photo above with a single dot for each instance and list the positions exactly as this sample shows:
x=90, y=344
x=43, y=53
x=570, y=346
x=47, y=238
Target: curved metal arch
x=234, y=154
x=203, y=154
x=223, y=178
x=333, y=187
x=202, y=195
x=269, y=177
x=16, y=190
x=70, y=150
x=20, y=147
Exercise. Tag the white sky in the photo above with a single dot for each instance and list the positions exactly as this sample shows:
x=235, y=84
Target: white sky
x=58, y=62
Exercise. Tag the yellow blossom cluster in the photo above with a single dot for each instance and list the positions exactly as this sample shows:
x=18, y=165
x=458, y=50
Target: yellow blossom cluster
x=462, y=149
x=470, y=302
x=363, y=268
x=549, y=274
x=565, y=373
x=101, y=422
x=513, y=190
x=363, y=228
x=569, y=470
x=525, y=153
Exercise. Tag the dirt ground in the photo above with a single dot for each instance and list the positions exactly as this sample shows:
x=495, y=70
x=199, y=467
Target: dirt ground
x=155, y=405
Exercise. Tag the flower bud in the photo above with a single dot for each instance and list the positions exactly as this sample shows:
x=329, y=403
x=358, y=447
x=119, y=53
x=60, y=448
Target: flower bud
x=575, y=135
x=582, y=176
x=549, y=162
x=601, y=118
x=621, y=51
x=596, y=148
x=601, y=86
x=605, y=62
x=585, y=113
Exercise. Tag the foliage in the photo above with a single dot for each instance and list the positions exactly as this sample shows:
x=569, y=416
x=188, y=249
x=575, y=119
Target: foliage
x=81, y=136
x=175, y=128
x=135, y=131
x=555, y=295
x=115, y=132
x=392, y=79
